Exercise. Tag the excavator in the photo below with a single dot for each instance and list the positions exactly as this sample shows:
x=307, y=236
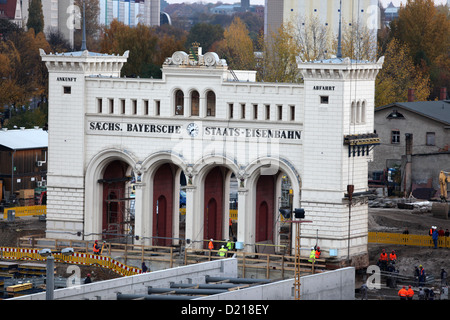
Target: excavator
x=444, y=178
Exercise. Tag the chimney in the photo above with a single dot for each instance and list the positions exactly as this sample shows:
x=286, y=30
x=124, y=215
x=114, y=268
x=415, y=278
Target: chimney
x=443, y=94
x=411, y=95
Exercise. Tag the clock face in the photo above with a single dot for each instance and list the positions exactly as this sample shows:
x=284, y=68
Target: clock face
x=192, y=129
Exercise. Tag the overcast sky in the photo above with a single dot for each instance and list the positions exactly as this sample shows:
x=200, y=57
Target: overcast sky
x=255, y=2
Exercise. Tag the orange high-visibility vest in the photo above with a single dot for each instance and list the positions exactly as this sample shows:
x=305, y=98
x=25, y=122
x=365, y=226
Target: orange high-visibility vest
x=403, y=292
x=383, y=257
x=392, y=256
x=211, y=245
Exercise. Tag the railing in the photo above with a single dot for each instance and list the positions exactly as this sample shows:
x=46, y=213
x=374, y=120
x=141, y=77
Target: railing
x=11, y=253
x=262, y=261
x=407, y=239
x=175, y=256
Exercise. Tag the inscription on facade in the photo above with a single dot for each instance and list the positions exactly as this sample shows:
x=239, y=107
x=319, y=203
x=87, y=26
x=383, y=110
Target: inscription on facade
x=329, y=88
x=207, y=131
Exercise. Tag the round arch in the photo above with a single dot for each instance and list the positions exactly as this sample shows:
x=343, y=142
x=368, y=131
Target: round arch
x=93, y=206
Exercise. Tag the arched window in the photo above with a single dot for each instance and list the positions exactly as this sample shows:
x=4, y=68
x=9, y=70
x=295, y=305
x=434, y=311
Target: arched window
x=210, y=104
x=358, y=112
x=353, y=113
x=363, y=112
x=195, y=103
x=179, y=103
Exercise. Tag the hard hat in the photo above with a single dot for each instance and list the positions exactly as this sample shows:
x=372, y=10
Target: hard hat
x=312, y=248
x=318, y=248
x=420, y=266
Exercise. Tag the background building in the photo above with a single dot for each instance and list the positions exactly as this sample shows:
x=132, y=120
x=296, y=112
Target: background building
x=130, y=12
x=59, y=15
x=353, y=11
x=415, y=139
x=23, y=161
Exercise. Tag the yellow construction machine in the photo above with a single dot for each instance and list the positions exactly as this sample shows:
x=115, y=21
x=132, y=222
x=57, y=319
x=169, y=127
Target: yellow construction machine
x=444, y=178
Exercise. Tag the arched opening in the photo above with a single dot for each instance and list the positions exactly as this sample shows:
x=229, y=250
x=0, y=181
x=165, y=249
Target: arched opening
x=163, y=198
x=114, y=213
x=210, y=104
x=265, y=199
x=195, y=103
x=179, y=103
x=213, y=204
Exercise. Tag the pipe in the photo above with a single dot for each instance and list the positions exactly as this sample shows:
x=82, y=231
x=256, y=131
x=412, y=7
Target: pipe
x=236, y=280
x=121, y=296
x=186, y=291
x=204, y=286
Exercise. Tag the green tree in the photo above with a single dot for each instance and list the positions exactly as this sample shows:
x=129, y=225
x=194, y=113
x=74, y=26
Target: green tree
x=35, y=16
x=206, y=34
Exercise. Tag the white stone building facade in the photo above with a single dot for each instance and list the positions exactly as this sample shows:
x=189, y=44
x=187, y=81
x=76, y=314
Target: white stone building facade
x=201, y=122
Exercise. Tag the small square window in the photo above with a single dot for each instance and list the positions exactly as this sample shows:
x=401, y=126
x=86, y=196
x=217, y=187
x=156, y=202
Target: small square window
x=67, y=90
x=395, y=137
x=323, y=99
x=431, y=139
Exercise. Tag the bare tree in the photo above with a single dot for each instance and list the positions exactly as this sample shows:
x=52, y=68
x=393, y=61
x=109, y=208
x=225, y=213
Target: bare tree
x=312, y=37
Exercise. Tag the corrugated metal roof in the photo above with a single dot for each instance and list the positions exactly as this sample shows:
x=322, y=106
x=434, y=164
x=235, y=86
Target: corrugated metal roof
x=436, y=110
x=24, y=139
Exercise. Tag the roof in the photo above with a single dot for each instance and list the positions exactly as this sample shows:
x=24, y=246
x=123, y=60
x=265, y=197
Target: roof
x=8, y=7
x=435, y=110
x=22, y=139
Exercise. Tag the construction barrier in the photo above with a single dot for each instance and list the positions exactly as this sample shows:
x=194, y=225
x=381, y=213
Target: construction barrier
x=25, y=211
x=407, y=239
x=10, y=253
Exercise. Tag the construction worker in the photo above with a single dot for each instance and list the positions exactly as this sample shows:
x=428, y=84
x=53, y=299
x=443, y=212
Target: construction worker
x=403, y=293
x=392, y=257
x=88, y=279
x=222, y=251
x=410, y=293
x=211, y=244
x=96, y=248
x=312, y=255
x=229, y=245
x=422, y=276
x=383, y=261
x=318, y=252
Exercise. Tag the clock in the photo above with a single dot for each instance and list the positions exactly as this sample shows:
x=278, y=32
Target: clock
x=192, y=129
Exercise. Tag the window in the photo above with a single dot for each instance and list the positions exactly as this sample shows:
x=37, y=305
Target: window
x=292, y=110
x=122, y=106
x=323, y=99
x=157, y=107
x=431, y=139
x=255, y=111
x=134, y=106
x=67, y=90
x=267, y=111
x=242, y=110
x=195, y=103
x=210, y=104
x=280, y=112
x=99, y=105
x=179, y=103
x=111, y=106
x=146, y=111
x=230, y=110
x=353, y=113
x=395, y=136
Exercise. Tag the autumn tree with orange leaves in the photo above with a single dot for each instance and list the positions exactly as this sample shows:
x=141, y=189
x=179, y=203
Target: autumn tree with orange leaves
x=425, y=29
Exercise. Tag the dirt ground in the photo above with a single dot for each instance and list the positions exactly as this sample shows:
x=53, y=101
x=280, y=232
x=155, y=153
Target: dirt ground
x=380, y=219
x=396, y=220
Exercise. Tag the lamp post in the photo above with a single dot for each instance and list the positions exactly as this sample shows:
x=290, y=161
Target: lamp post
x=50, y=269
